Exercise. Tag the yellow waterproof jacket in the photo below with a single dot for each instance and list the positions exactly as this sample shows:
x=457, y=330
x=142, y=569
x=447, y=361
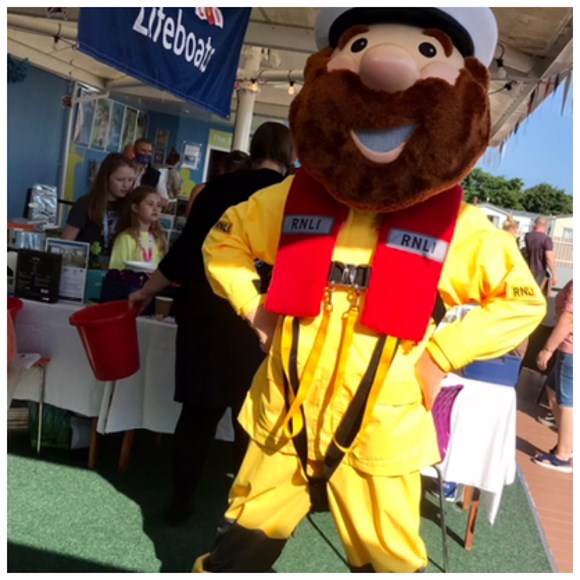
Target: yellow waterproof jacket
x=483, y=266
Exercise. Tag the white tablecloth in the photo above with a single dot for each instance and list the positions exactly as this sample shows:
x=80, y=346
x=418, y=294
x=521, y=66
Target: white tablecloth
x=482, y=447
x=144, y=400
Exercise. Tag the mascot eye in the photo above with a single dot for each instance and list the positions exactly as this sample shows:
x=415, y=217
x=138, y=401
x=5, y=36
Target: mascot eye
x=427, y=49
x=359, y=45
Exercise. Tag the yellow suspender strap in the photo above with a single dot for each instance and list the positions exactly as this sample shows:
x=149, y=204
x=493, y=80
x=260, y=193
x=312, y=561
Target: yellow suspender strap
x=350, y=318
x=293, y=422
x=384, y=365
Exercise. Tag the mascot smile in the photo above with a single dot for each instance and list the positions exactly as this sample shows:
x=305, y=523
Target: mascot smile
x=371, y=244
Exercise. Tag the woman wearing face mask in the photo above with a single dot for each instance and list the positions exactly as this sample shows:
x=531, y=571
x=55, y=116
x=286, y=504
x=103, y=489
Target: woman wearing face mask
x=93, y=218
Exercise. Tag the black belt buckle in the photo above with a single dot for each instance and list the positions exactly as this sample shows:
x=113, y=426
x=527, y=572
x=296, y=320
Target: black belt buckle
x=349, y=275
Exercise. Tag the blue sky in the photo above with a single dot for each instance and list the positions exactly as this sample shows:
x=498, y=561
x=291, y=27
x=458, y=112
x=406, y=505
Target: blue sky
x=541, y=151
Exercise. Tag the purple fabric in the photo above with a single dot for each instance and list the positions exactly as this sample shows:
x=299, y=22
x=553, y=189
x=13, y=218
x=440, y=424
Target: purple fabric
x=442, y=416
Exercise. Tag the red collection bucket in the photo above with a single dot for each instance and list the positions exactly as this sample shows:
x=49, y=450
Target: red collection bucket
x=109, y=335
x=14, y=306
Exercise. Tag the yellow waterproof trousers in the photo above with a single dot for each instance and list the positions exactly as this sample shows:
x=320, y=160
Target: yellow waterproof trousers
x=377, y=517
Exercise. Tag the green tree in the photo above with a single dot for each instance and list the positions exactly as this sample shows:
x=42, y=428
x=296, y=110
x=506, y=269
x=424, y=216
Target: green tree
x=547, y=200
x=505, y=193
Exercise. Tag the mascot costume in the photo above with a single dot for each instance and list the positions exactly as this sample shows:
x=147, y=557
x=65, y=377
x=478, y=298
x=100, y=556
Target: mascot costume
x=370, y=242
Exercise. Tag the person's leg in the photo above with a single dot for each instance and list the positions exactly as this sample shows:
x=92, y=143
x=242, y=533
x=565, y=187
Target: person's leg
x=267, y=501
x=560, y=457
x=192, y=440
x=242, y=358
x=378, y=520
x=565, y=403
x=565, y=445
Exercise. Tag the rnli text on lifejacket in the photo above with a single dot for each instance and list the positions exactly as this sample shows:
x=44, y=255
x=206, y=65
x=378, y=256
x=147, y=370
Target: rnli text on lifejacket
x=307, y=224
x=420, y=244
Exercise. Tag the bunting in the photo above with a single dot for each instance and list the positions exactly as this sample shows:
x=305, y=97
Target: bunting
x=567, y=85
x=537, y=97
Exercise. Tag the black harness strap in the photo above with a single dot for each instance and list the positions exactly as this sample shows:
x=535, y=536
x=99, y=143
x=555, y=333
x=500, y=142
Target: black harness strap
x=351, y=421
x=347, y=430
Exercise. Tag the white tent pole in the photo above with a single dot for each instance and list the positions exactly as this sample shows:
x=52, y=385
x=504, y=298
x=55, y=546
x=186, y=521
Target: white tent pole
x=65, y=154
x=245, y=111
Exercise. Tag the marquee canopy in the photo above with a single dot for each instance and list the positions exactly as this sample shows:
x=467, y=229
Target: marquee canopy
x=533, y=58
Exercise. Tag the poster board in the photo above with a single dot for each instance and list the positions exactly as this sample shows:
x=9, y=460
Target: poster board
x=75, y=263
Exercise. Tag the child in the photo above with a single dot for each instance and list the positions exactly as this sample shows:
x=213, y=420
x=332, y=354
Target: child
x=94, y=217
x=141, y=238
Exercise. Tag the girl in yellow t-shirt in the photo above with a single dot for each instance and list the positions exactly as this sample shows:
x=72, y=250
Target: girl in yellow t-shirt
x=141, y=238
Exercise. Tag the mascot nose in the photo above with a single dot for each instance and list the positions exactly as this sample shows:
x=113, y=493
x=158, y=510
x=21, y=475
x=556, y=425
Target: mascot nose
x=388, y=68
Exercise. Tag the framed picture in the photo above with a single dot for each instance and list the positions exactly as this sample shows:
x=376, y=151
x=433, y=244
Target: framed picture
x=129, y=127
x=162, y=138
x=75, y=262
x=141, y=125
x=115, y=127
x=158, y=155
x=84, y=121
x=191, y=156
x=101, y=124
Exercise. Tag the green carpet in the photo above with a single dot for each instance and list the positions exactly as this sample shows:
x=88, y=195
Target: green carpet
x=65, y=518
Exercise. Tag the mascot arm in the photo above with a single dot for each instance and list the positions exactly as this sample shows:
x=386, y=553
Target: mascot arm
x=512, y=306
x=245, y=232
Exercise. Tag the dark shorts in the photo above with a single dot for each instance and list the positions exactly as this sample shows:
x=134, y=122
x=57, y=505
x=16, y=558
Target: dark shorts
x=560, y=379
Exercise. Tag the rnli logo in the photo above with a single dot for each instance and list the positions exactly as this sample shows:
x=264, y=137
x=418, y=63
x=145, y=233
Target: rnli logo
x=307, y=224
x=213, y=16
x=419, y=244
x=523, y=292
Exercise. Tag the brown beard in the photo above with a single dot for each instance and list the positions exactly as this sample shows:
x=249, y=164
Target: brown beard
x=452, y=132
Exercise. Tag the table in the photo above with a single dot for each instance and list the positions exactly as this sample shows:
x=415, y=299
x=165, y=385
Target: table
x=142, y=401
x=481, y=450
x=482, y=446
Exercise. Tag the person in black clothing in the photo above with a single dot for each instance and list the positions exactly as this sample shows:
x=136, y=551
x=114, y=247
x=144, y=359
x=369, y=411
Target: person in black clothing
x=217, y=353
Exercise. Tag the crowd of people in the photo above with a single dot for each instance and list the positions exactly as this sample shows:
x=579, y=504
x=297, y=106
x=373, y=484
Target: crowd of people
x=217, y=353
x=120, y=216
x=555, y=357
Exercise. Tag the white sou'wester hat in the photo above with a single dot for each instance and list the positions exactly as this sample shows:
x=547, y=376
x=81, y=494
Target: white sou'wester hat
x=472, y=30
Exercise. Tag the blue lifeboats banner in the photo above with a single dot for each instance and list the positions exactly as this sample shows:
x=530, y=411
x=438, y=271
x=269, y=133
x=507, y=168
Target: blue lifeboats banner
x=192, y=53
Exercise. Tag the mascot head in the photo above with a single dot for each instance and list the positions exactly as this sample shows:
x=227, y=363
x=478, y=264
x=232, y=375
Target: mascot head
x=394, y=107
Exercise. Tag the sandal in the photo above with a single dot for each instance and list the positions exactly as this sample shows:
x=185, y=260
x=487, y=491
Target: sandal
x=550, y=461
